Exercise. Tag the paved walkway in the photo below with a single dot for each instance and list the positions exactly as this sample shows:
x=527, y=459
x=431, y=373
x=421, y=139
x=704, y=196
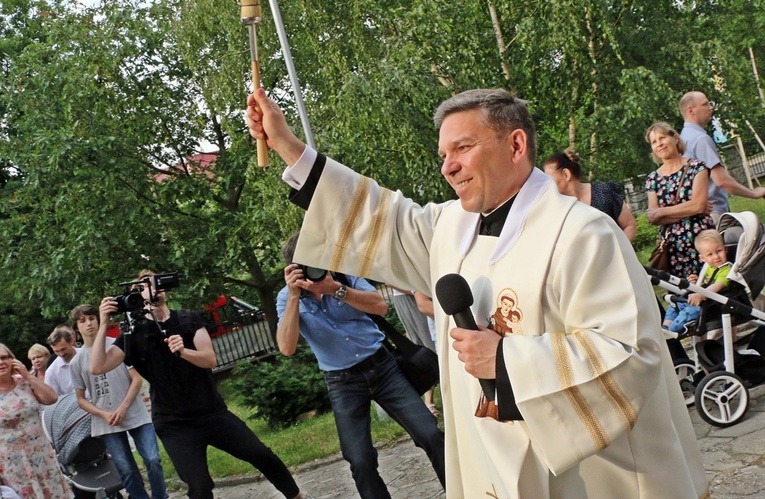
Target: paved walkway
x=733, y=457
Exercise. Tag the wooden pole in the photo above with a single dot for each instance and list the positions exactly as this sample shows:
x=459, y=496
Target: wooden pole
x=756, y=76
x=251, y=16
x=744, y=161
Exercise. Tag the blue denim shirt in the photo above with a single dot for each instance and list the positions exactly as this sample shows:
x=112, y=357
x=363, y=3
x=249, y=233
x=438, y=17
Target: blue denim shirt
x=339, y=335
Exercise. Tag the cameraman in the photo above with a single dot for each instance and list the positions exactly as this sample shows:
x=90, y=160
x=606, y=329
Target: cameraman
x=332, y=317
x=188, y=412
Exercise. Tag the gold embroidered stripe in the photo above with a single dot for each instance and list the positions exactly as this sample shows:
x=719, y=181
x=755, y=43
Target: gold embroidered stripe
x=585, y=413
x=375, y=235
x=565, y=375
x=575, y=396
x=354, y=213
x=606, y=381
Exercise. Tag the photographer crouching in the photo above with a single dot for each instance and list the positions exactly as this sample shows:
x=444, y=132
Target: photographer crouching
x=332, y=317
x=172, y=350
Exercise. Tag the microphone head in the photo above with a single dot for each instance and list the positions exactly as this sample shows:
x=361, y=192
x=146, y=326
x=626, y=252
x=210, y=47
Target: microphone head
x=453, y=293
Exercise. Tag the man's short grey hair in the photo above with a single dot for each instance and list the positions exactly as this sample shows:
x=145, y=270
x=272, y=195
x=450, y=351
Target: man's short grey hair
x=61, y=332
x=502, y=112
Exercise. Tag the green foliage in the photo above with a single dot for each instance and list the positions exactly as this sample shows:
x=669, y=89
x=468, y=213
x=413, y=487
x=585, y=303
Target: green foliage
x=282, y=388
x=99, y=104
x=96, y=103
x=646, y=233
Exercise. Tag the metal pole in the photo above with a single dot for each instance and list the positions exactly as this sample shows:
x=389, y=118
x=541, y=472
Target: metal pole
x=291, y=70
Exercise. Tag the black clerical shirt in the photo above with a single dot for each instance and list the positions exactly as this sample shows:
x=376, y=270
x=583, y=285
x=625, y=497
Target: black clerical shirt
x=491, y=224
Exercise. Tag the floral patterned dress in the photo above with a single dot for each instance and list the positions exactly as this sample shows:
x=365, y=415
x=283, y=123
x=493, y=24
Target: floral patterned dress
x=27, y=461
x=683, y=257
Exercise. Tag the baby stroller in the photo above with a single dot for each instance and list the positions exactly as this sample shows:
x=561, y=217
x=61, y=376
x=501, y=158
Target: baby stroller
x=722, y=373
x=83, y=459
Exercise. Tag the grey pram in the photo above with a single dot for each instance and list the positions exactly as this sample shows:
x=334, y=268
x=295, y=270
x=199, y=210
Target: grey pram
x=83, y=459
x=717, y=382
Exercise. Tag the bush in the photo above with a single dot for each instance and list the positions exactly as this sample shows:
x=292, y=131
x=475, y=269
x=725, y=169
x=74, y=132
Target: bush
x=646, y=234
x=281, y=388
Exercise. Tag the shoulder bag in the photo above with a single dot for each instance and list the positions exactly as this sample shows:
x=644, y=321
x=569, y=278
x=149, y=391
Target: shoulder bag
x=418, y=363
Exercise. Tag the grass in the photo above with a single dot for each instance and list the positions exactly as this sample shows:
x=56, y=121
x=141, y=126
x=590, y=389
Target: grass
x=305, y=442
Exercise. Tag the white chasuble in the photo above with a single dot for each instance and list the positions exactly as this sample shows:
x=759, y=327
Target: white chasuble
x=603, y=413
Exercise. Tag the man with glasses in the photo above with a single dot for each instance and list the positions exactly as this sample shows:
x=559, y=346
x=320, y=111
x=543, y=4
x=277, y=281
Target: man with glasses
x=697, y=112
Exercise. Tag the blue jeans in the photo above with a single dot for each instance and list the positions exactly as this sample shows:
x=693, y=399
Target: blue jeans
x=679, y=314
x=352, y=391
x=146, y=443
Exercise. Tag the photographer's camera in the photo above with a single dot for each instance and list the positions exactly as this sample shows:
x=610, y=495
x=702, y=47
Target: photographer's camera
x=129, y=301
x=313, y=274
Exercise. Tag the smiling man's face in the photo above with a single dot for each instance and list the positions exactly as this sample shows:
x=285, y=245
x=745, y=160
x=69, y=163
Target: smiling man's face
x=477, y=164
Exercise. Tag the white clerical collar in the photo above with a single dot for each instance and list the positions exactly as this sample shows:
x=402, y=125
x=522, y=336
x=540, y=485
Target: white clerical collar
x=526, y=198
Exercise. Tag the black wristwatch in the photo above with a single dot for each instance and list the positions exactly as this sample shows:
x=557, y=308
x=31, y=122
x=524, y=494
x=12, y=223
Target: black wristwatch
x=340, y=293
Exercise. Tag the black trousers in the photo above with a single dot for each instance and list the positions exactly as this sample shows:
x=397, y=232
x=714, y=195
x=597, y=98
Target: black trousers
x=186, y=443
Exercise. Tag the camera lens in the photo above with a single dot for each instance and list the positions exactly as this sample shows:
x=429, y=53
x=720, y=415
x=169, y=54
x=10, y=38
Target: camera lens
x=313, y=273
x=129, y=301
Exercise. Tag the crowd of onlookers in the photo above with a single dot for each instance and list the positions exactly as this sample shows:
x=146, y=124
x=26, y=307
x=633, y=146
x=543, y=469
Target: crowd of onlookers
x=115, y=402
x=172, y=351
x=687, y=193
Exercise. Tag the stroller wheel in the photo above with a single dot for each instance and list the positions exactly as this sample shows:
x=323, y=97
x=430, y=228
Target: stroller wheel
x=722, y=399
x=686, y=371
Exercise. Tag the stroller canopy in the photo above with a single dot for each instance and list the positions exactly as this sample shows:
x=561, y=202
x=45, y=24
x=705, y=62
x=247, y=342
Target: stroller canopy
x=68, y=425
x=749, y=267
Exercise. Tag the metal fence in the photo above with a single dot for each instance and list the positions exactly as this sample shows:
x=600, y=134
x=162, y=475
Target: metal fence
x=757, y=165
x=239, y=331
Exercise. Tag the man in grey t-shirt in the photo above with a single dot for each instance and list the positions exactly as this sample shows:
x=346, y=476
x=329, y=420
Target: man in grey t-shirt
x=697, y=112
x=117, y=411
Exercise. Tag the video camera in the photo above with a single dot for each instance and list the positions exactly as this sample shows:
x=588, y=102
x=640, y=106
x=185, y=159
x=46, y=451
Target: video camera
x=131, y=298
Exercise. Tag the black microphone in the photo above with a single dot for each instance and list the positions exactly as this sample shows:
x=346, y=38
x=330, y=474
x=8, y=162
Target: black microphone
x=455, y=297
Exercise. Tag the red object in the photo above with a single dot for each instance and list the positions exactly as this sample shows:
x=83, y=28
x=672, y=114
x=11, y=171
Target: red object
x=113, y=330
x=213, y=308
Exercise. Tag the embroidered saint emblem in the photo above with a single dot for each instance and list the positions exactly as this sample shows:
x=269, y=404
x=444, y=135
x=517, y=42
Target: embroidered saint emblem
x=507, y=317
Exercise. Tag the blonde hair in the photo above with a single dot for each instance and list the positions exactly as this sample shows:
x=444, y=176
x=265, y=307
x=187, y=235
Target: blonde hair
x=7, y=350
x=145, y=273
x=710, y=235
x=38, y=349
x=666, y=129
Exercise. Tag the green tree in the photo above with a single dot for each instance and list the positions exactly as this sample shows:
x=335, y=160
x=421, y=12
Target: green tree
x=103, y=107
x=103, y=114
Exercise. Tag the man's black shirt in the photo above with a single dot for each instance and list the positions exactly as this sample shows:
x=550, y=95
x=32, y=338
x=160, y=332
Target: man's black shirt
x=179, y=389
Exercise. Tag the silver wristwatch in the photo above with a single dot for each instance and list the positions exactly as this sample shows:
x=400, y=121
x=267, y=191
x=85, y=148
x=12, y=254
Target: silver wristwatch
x=340, y=293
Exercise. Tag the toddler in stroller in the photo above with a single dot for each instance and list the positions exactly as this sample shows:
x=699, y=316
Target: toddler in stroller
x=82, y=458
x=726, y=367
x=714, y=277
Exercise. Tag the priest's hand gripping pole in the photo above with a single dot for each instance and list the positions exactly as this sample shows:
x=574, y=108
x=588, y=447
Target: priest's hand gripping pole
x=251, y=16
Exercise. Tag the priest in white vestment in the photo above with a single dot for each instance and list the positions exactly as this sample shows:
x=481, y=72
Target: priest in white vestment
x=588, y=402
